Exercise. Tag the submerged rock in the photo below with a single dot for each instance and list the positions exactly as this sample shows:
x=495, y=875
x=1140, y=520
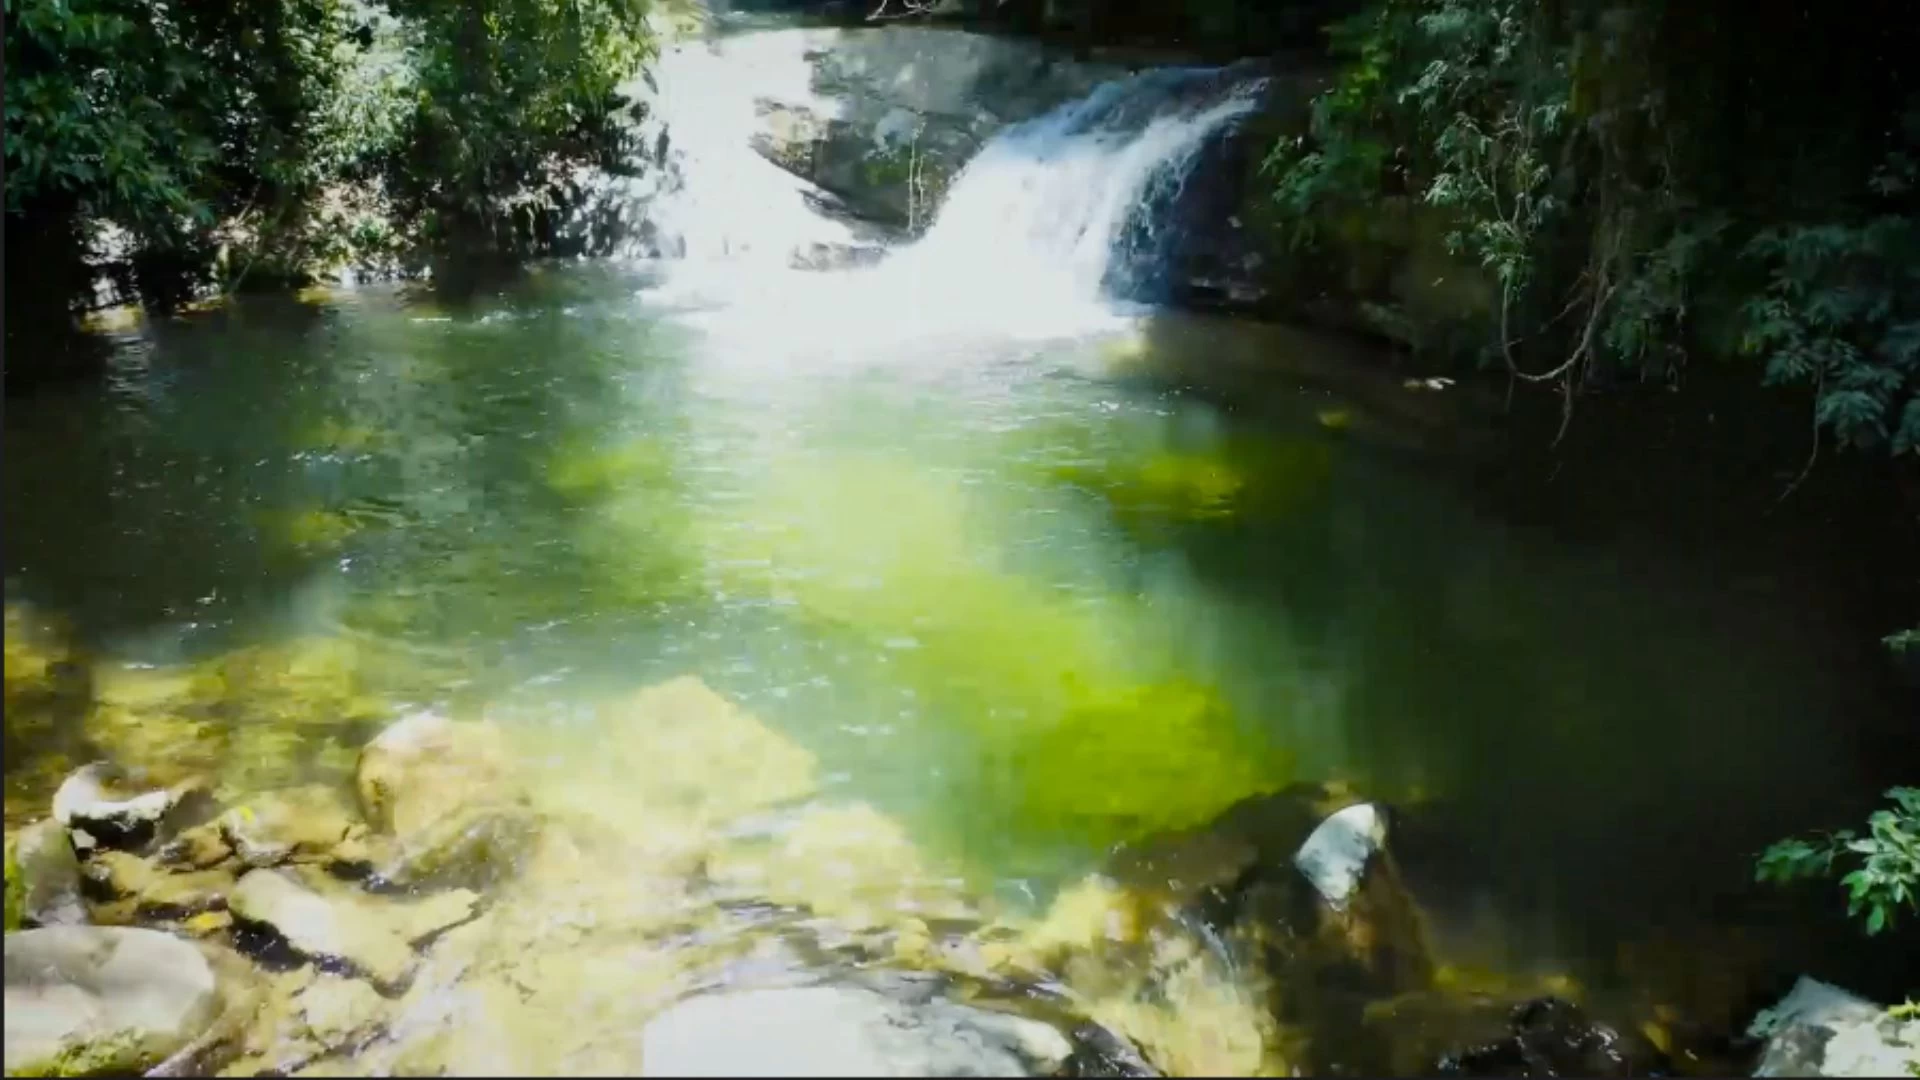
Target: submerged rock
x=197, y=848
x=448, y=796
x=1546, y=1037
x=43, y=877
x=1821, y=1030
x=850, y=863
x=679, y=752
x=87, y=1000
x=120, y=876
x=361, y=933
x=100, y=806
x=844, y=1031
x=823, y=256
x=157, y=720
x=1285, y=914
x=303, y=824
x=426, y=766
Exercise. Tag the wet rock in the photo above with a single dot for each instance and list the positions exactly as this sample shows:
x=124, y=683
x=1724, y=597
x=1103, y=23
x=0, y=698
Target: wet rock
x=1407, y=1035
x=206, y=924
x=1335, y=855
x=844, y=1031
x=302, y=824
x=335, y=1009
x=102, y=807
x=86, y=1000
x=824, y=256
x=849, y=863
x=43, y=878
x=672, y=763
x=364, y=934
x=197, y=848
x=892, y=115
x=685, y=736
x=448, y=796
x=476, y=847
x=1304, y=873
x=1546, y=1037
x=1287, y=905
x=120, y=876
x=1821, y=1030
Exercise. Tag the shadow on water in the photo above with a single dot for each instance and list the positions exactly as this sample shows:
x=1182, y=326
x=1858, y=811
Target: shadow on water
x=1601, y=696
x=237, y=456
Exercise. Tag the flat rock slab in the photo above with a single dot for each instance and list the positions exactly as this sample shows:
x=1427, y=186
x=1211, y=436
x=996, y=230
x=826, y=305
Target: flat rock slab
x=88, y=1000
x=1821, y=1030
x=843, y=1031
x=371, y=935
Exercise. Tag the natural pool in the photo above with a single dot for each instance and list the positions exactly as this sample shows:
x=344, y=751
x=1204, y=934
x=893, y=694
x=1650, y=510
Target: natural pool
x=1012, y=599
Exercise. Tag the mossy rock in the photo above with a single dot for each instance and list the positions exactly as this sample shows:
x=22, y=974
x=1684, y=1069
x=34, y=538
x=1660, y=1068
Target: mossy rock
x=16, y=890
x=92, y=1001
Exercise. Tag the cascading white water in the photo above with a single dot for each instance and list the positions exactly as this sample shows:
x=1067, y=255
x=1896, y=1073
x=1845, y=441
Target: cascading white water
x=725, y=205
x=1036, y=220
x=1023, y=245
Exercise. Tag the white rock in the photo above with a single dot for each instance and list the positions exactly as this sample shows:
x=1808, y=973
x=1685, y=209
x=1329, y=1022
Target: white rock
x=842, y=1031
x=1334, y=857
x=90, y=1000
x=94, y=814
x=1821, y=1030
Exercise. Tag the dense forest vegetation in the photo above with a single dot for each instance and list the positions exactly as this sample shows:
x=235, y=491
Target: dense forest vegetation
x=1645, y=182
x=1641, y=181
x=180, y=148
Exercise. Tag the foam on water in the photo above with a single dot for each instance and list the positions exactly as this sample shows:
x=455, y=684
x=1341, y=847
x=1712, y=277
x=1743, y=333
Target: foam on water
x=1026, y=246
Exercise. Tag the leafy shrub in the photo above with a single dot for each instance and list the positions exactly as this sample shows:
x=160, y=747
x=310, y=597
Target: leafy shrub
x=1886, y=880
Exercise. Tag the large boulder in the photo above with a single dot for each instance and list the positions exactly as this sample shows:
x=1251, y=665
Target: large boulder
x=1821, y=1030
x=844, y=1031
x=894, y=169
x=303, y=824
x=446, y=796
x=1286, y=913
x=103, y=806
x=887, y=116
x=86, y=1000
x=43, y=877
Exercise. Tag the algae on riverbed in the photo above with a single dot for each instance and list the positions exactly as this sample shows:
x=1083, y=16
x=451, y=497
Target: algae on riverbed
x=1071, y=732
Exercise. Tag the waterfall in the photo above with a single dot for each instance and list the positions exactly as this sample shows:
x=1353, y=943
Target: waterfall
x=722, y=202
x=1054, y=210
x=1055, y=218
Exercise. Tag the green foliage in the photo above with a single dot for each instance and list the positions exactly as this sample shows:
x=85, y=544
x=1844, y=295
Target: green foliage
x=151, y=113
x=1343, y=161
x=1841, y=310
x=1571, y=148
x=507, y=95
x=285, y=137
x=163, y=120
x=1887, y=879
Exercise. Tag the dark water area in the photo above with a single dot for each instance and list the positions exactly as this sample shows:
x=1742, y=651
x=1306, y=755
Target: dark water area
x=1030, y=598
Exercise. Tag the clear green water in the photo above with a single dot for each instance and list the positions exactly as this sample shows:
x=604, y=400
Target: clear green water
x=1029, y=598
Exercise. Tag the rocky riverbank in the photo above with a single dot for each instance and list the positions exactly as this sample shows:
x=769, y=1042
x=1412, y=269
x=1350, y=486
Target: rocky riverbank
x=455, y=894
